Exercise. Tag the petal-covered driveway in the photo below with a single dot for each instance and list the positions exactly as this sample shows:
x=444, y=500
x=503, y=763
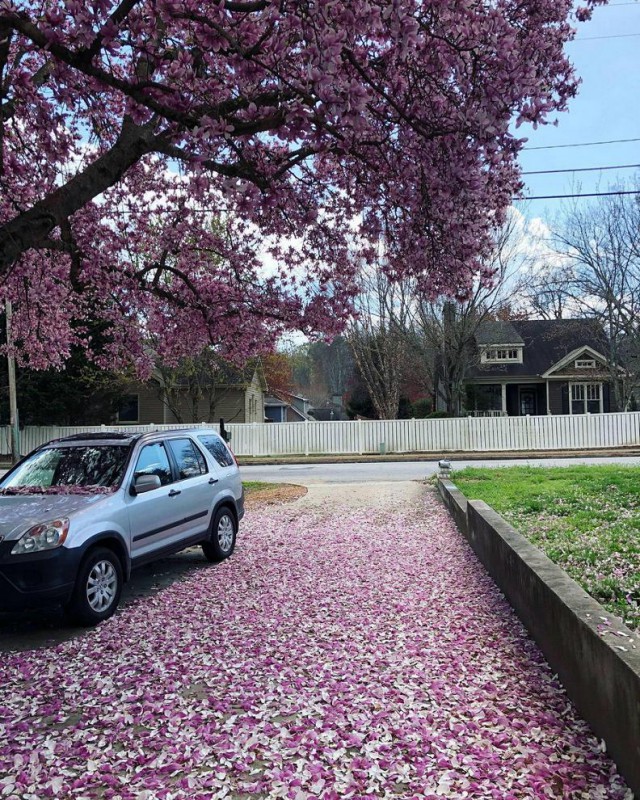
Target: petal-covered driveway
x=346, y=650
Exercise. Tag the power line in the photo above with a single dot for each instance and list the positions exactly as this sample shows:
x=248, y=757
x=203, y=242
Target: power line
x=610, y=36
x=586, y=194
x=581, y=144
x=580, y=169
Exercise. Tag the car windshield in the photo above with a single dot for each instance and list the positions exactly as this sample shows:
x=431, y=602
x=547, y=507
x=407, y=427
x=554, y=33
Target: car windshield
x=76, y=469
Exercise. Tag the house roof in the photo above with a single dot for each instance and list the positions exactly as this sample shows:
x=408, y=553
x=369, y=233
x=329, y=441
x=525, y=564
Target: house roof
x=498, y=332
x=275, y=402
x=546, y=342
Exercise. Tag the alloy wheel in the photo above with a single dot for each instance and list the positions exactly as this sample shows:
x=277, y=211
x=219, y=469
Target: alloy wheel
x=102, y=586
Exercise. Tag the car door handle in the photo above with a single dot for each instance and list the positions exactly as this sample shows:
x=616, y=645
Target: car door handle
x=213, y=480
x=174, y=492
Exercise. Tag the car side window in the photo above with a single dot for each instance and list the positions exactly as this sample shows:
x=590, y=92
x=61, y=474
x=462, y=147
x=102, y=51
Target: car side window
x=190, y=460
x=153, y=460
x=218, y=450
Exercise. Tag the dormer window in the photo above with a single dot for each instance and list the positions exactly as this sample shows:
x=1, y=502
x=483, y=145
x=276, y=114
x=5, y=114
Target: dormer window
x=585, y=363
x=502, y=355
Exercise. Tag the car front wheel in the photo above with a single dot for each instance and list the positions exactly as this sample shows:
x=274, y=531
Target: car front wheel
x=222, y=539
x=98, y=587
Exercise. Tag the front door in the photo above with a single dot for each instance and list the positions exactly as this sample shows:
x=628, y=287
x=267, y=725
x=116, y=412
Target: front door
x=527, y=402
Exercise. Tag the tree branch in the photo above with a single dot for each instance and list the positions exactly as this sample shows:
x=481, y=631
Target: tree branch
x=32, y=227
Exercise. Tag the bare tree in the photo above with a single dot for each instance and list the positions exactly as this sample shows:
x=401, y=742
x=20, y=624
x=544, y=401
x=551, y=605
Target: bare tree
x=444, y=329
x=377, y=336
x=599, y=244
x=192, y=389
x=548, y=292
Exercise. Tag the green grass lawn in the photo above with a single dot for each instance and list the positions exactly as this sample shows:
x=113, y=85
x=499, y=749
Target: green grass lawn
x=586, y=519
x=256, y=486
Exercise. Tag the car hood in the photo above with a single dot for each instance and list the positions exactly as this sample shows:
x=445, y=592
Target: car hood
x=18, y=513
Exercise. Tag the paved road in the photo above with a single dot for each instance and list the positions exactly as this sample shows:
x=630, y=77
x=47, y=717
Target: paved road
x=400, y=470
x=353, y=647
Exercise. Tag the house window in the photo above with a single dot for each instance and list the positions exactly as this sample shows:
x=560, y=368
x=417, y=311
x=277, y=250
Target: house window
x=129, y=410
x=585, y=363
x=586, y=398
x=502, y=354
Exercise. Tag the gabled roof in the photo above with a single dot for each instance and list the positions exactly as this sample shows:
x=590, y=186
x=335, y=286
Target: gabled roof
x=546, y=342
x=276, y=402
x=498, y=332
x=580, y=352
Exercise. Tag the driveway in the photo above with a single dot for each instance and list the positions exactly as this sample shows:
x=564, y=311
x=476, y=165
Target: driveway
x=48, y=627
x=353, y=647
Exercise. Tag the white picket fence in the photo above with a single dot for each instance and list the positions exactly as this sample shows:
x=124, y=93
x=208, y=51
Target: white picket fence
x=470, y=434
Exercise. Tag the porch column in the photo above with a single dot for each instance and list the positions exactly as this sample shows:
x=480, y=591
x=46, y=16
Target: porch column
x=548, y=405
x=504, y=398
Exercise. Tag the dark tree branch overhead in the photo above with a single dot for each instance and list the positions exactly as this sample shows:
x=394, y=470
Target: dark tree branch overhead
x=32, y=227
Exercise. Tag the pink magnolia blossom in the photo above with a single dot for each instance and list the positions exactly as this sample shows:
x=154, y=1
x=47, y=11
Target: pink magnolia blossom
x=150, y=148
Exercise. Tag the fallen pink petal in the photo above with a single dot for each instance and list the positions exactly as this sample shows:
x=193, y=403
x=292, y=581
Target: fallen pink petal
x=342, y=652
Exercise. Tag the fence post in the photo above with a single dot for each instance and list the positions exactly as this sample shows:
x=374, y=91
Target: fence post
x=254, y=438
x=360, y=443
x=306, y=437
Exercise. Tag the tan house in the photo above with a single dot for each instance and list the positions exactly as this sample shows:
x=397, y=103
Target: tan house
x=235, y=395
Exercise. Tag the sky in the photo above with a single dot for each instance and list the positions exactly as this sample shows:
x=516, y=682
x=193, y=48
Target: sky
x=606, y=55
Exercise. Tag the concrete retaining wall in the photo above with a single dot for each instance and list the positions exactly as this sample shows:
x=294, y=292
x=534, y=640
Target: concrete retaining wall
x=599, y=669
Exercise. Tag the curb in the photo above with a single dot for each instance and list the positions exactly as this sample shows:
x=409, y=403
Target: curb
x=602, y=678
x=608, y=452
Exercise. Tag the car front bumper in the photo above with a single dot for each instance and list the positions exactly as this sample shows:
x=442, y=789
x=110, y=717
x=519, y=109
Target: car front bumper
x=36, y=579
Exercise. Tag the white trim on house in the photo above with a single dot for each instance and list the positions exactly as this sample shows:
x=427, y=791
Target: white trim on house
x=584, y=398
x=501, y=354
x=573, y=356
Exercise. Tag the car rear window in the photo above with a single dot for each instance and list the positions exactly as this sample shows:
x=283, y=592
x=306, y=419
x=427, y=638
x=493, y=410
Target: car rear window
x=189, y=459
x=218, y=450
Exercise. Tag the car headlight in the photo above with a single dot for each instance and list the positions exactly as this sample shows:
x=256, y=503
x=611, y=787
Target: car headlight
x=45, y=536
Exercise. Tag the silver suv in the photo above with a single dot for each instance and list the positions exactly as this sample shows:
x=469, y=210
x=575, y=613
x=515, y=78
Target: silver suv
x=77, y=514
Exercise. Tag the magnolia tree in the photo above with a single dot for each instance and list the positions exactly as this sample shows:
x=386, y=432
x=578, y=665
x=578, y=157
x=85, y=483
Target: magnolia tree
x=154, y=152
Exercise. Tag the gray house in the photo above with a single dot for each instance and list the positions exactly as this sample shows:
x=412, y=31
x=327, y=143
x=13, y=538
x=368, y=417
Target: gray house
x=539, y=367
x=286, y=407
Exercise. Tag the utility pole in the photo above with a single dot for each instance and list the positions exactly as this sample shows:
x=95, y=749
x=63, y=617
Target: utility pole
x=13, y=397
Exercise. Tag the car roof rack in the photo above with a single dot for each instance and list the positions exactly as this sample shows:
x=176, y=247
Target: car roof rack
x=99, y=436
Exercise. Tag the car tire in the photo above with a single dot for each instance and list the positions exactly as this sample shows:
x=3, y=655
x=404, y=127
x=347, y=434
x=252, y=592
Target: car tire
x=96, y=593
x=222, y=536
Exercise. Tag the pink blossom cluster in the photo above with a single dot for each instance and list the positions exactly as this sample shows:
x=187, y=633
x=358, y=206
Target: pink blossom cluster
x=151, y=150
x=338, y=654
x=62, y=489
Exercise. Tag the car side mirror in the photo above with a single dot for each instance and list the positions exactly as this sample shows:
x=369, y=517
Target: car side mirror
x=146, y=483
